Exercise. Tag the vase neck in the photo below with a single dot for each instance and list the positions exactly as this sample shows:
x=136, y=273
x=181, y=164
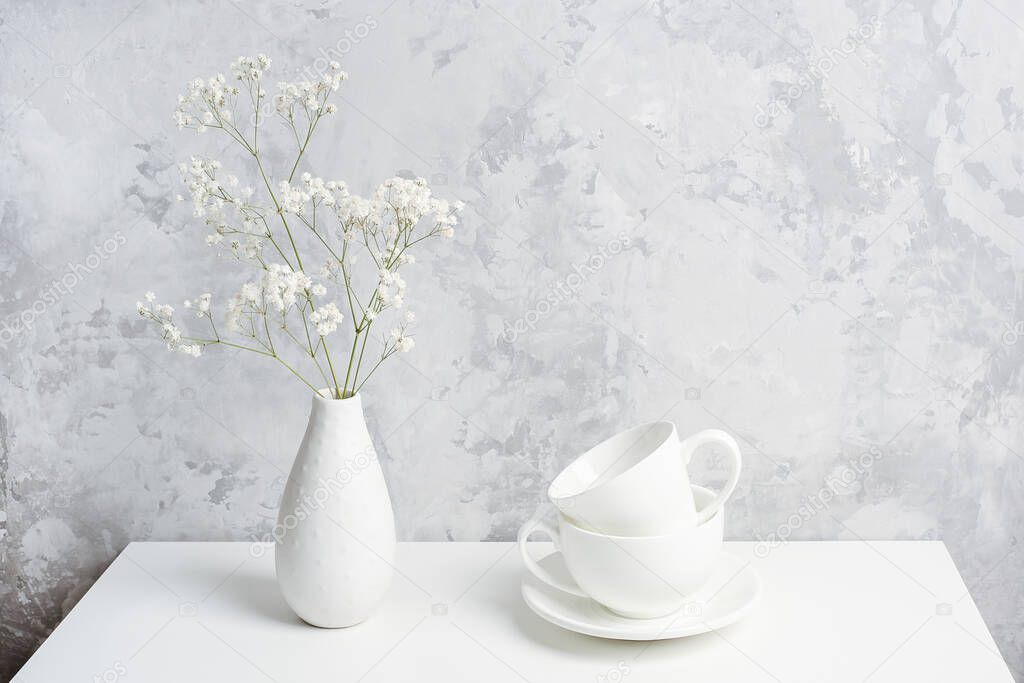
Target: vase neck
x=336, y=408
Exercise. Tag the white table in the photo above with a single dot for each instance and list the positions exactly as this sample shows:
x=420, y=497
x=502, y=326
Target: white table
x=831, y=611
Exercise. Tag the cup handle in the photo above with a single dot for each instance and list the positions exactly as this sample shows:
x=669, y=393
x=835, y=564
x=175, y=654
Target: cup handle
x=538, y=524
x=715, y=436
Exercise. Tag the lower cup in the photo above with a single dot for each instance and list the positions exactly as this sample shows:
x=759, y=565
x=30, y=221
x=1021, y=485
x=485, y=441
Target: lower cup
x=640, y=577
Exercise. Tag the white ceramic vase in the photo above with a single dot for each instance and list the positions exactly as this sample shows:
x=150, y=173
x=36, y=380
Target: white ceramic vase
x=335, y=545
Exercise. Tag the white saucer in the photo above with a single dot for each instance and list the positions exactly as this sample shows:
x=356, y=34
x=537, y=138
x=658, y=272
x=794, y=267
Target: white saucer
x=730, y=594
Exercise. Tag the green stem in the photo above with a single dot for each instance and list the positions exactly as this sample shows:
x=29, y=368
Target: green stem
x=280, y=213
x=359, y=362
x=373, y=369
x=330, y=365
x=262, y=353
x=302, y=149
x=351, y=357
x=292, y=370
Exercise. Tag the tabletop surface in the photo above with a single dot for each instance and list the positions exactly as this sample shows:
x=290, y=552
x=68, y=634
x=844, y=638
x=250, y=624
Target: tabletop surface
x=831, y=611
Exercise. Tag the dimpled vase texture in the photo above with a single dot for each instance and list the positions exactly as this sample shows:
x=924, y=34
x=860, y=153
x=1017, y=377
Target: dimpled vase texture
x=335, y=534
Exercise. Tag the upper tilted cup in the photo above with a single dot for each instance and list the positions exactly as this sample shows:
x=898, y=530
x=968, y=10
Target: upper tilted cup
x=636, y=484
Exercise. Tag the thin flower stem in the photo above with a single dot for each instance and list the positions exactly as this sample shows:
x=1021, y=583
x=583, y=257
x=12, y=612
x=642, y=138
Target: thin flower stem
x=292, y=370
x=302, y=149
x=256, y=107
x=376, y=365
x=280, y=213
x=252, y=150
x=330, y=365
x=312, y=355
x=351, y=357
x=348, y=286
x=305, y=327
x=210, y=342
x=359, y=362
x=322, y=342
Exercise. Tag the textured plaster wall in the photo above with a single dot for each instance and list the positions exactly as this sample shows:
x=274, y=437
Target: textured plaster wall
x=809, y=223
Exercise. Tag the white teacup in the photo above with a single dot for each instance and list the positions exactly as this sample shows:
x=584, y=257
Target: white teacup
x=641, y=577
x=636, y=484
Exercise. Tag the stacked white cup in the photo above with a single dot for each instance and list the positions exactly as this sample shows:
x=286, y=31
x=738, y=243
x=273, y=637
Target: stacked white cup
x=635, y=535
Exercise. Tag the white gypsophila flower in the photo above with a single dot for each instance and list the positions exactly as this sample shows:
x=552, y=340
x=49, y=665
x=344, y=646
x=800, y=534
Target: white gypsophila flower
x=292, y=198
x=331, y=270
x=247, y=301
x=209, y=103
x=409, y=317
x=250, y=68
x=402, y=341
x=326, y=319
x=161, y=314
x=205, y=103
x=235, y=312
x=390, y=288
x=212, y=202
x=446, y=216
x=277, y=289
x=318, y=290
x=250, y=292
x=310, y=95
x=281, y=286
x=208, y=195
x=410, y=198
x=194, y=350
x=319, y=190
x=362, y=212
x=252, y=248
x=397, y=204
x=172, y=334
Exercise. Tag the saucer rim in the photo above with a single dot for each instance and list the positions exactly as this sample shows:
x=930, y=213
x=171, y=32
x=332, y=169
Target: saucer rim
x=667, y=633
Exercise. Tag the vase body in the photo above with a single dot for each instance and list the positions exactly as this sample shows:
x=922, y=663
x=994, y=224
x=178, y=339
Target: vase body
x=335, y=534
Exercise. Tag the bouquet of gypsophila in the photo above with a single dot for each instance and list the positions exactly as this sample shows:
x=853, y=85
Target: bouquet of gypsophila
x=285, y=228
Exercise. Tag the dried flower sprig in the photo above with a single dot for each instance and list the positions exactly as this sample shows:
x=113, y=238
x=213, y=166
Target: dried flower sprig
x=284, y=303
